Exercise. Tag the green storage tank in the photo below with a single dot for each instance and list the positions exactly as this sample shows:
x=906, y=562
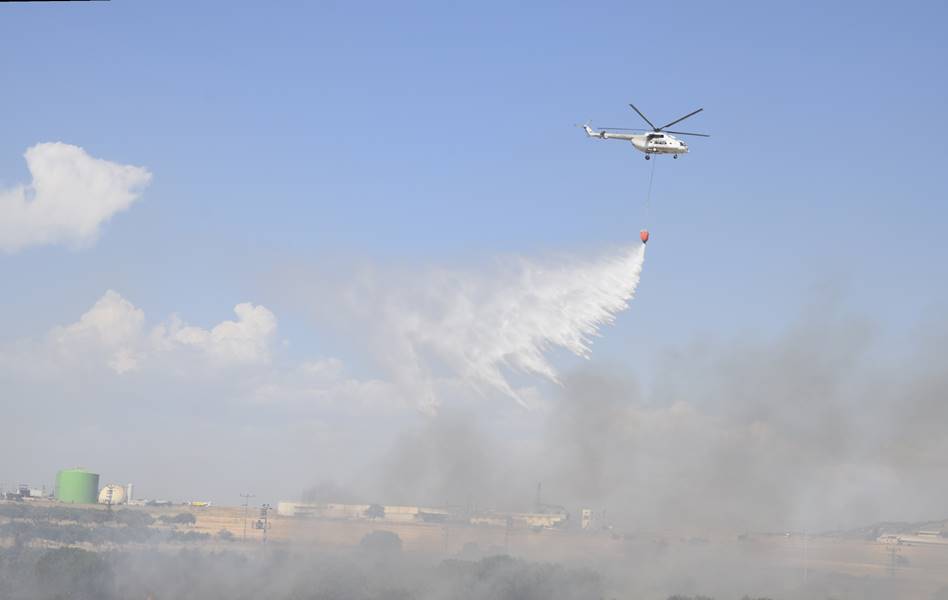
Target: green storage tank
x=77, y=486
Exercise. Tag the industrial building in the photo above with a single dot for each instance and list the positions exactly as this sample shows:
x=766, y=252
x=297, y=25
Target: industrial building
x=398, y=514
x=521, y=520
x=421, y=514
x=24, y=491
x=79, y=486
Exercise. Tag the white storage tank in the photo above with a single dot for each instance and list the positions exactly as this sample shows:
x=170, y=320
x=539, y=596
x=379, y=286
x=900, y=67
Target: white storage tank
x=112, y=493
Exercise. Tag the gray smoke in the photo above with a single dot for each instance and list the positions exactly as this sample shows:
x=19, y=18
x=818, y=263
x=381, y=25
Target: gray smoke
x=282, y=574
x=821, y=426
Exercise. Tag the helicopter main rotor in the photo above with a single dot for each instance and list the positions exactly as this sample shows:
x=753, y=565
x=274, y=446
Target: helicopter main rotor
x=655, y=129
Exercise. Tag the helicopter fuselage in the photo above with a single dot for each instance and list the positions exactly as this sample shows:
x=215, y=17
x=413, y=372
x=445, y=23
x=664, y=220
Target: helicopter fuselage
x=649, y=143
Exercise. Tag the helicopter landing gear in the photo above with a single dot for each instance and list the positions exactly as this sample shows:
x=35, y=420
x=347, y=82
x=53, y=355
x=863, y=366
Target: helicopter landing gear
x=647, y=157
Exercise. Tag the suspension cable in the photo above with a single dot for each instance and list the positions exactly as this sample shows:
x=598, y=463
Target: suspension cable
x=648, y=197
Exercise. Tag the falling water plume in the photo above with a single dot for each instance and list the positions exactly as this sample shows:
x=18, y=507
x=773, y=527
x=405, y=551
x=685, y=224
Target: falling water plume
x=478, y=324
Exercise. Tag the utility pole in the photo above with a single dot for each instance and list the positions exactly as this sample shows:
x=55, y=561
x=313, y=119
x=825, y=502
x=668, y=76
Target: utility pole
x=246, y=498
x=507, y=526
x=806, y=560
x=264, y=512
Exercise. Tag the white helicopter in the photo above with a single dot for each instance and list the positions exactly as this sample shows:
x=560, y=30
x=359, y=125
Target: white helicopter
x=654, y=141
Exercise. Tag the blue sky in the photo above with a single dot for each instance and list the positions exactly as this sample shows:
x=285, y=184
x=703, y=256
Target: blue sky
x=434, y=133
x=311, y=135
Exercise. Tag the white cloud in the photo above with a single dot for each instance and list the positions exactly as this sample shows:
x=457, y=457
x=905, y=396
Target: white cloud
x=112, y=326
x=72, y=194
x=233, y=358
x=114, y=344
x=113, y=333
x=245, y=340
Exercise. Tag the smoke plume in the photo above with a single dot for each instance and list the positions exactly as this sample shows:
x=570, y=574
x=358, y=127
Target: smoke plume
x=816, y=428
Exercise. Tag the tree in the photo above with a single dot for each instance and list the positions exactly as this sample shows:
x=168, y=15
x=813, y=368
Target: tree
x=375, y=511
x=133, y=518
x=184, y=518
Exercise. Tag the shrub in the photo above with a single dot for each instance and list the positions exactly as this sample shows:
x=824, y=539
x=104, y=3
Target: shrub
x=73, y=573
x=381, y=542
x=184, y=518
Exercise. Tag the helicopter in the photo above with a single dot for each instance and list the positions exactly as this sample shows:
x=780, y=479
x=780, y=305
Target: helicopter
x=652, y=141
